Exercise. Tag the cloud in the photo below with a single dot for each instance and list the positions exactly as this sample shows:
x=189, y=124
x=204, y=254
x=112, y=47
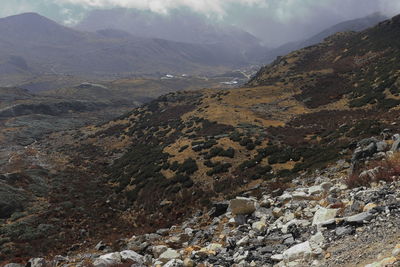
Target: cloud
x=209, y=7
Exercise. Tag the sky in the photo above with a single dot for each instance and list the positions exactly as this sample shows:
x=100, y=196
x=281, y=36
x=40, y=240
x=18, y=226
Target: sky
x=277, y=21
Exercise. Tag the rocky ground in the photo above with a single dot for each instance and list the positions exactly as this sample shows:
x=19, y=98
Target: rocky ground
x=322, y=220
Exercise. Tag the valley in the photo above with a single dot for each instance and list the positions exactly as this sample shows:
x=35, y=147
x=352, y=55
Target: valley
x=283, y=169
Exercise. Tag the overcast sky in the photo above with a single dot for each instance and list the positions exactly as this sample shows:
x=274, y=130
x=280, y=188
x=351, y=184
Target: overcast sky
x=276, y=21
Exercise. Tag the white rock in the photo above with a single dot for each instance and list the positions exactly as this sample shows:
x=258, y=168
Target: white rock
x=277, y=257
x=322, y=215
x=315, y=190
x=169, y=254
x=285, y=197
x=317, y=241
x=131, y=255
x=108, y=259
x=299, y=251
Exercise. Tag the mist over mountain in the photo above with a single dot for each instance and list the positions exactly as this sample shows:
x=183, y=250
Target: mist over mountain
x=355, y=25
x=31, y=44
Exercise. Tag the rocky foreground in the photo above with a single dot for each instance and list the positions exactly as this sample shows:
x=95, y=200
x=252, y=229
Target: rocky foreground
x=323, y=219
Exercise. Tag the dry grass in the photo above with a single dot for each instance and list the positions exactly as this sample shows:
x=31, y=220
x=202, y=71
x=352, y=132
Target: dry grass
x=385, y=170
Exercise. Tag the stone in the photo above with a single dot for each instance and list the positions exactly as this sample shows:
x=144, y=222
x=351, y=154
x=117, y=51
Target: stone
x=240, y=255
x=317, y=241
x=396, y=145
x=326, y=186
x=220, y=208
x=369, y=207
x=158, y=250
x=315, y=190
x=37, y=262
x=13, y=265
x=299, y=251
x=169, y=254
x=344, y=230
x=188, y=263
x=359, y=218
x=285, y=197
x=174, y=263
x=277, y=212
x=242, y=206
x=277, y=257
x=132, y=256
x=107, y=260
x=322, y=215
x=300, y=195
x=100, y=246
x=214, y=247
x=396, y=252
x=240, y=219
x=259, y=226
x=381, y=146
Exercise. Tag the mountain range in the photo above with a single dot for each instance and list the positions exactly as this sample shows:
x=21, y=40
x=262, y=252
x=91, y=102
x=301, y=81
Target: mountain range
x=33, y=45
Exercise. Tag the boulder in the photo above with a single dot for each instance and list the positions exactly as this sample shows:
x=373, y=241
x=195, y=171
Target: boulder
x=322, y=215
x=131, y=256
x=169, y=254
x=242, y=206
x=299, y=251
x=381, y=146
x=108, y=260
x=359, y=218
x=158, y=250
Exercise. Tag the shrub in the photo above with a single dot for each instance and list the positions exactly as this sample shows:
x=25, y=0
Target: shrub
x=386, y=170
x=189, y=166
x=219, y=168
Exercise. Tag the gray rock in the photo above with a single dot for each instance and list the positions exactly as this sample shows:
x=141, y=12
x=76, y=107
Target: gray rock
x=132, y=256
x=359, y=218
x=364, y=152
x=107, y=260
x=344, y=230
x=240, y=219
x=381, y=146
x=396, y=145
x=169, y=254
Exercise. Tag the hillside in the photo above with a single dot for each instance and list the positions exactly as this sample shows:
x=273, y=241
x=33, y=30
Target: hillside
x=32, y=45
x=355, y=25
x=299, y=119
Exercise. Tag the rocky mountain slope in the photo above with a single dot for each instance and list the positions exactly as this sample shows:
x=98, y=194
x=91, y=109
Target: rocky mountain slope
x=311, y=113
x=33, y=45
x=355, y=25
